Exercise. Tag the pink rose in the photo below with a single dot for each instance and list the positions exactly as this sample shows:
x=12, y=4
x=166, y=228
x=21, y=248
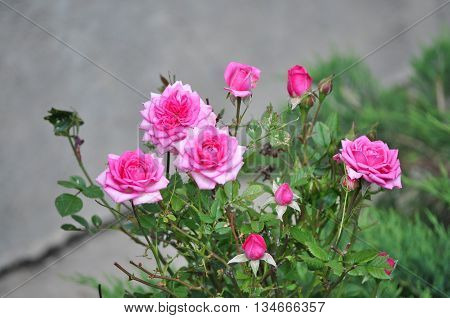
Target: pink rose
x=168, y=116
x=390, y=261
x=284, y=195
x=254, y=247
x=371, y=160
x=133, y=176
x=298, y=81
x=210, y=156
x=241, y=78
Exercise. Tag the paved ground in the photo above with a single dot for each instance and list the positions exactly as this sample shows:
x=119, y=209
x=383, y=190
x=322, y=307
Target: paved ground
x=136, y=41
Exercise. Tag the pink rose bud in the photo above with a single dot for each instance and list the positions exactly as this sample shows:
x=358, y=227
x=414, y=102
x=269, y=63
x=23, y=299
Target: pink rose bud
x=326, y=86
x=284, y=195
x=350, y=184
x=391, y=262
x=254, y=247
x=241, y=79
x=298, y=81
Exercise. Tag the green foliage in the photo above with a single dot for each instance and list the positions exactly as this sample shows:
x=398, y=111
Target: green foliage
x=421, y=248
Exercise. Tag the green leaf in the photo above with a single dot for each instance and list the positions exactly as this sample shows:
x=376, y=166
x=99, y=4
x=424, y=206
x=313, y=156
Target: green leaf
x=176, y=203
x=228, y=187
x=68, y=204
x=216, y=210
x=181, y=291
x=361, y=257
x=223, y=230
x=279, y=138
x=252, y=192
x=205, y=218
x=257, y=226
x=254, y=129
x=301, y=235
x=93, y=192
x=148, y=221
x=96, y=220
x=63, y=121
x=172, y=217
x=269, y=119
x=74, y=182
x=70, y=227
x=81, y=220
x=317, y=251
x=312, y=263
x=246, y=229
x=321, y=135
x=336, y=267
x=377, y=272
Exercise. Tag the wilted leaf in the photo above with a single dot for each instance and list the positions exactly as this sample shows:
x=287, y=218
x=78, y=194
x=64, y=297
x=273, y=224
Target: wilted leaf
x=63, y=121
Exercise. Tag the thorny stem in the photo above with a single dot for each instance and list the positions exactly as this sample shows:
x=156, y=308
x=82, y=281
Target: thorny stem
x=342, y=220
x=231, y=219
x=153, y=276
x=152, y=247
x=133, y=277
x=86, y=174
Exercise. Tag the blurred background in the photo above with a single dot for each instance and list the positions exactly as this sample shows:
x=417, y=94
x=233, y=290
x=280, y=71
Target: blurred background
x=103, y=57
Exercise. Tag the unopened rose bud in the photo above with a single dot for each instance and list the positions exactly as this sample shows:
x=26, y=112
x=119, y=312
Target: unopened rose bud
x=254, y=247
x=390, y=261
x=350, y=184
x=284, y=195
x=308, y=100
x=326, y=86
x=298, y=81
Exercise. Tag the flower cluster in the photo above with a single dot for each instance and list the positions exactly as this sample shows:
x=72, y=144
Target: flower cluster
x=205, y=214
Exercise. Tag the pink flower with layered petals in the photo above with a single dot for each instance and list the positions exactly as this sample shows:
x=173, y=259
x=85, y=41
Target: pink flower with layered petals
x=210, y=155
x=254, y=247
x=168, y=116
x=241, y=78
x=371, y=160
x=299, y=81
x=133, y=176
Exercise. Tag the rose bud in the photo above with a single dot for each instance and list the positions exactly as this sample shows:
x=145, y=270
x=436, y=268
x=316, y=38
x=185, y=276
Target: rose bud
x=254, y=247
x=254, y=251
x=241, y=79
x=283, y=196
x=298, y=81
x=391, y=262
x=326, y=85
x=308, y=100
x=349, y=184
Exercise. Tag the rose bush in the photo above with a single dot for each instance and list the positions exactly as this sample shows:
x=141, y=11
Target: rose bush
x=227, y=243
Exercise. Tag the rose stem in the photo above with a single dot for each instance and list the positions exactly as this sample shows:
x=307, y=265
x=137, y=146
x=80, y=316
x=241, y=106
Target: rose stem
x=238, y=117
x=168, y=165
x=150, y=245
x=132, y=277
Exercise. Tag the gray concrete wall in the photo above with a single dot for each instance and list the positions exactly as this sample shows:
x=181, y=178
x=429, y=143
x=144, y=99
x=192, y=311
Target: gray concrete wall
x=137, y=40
